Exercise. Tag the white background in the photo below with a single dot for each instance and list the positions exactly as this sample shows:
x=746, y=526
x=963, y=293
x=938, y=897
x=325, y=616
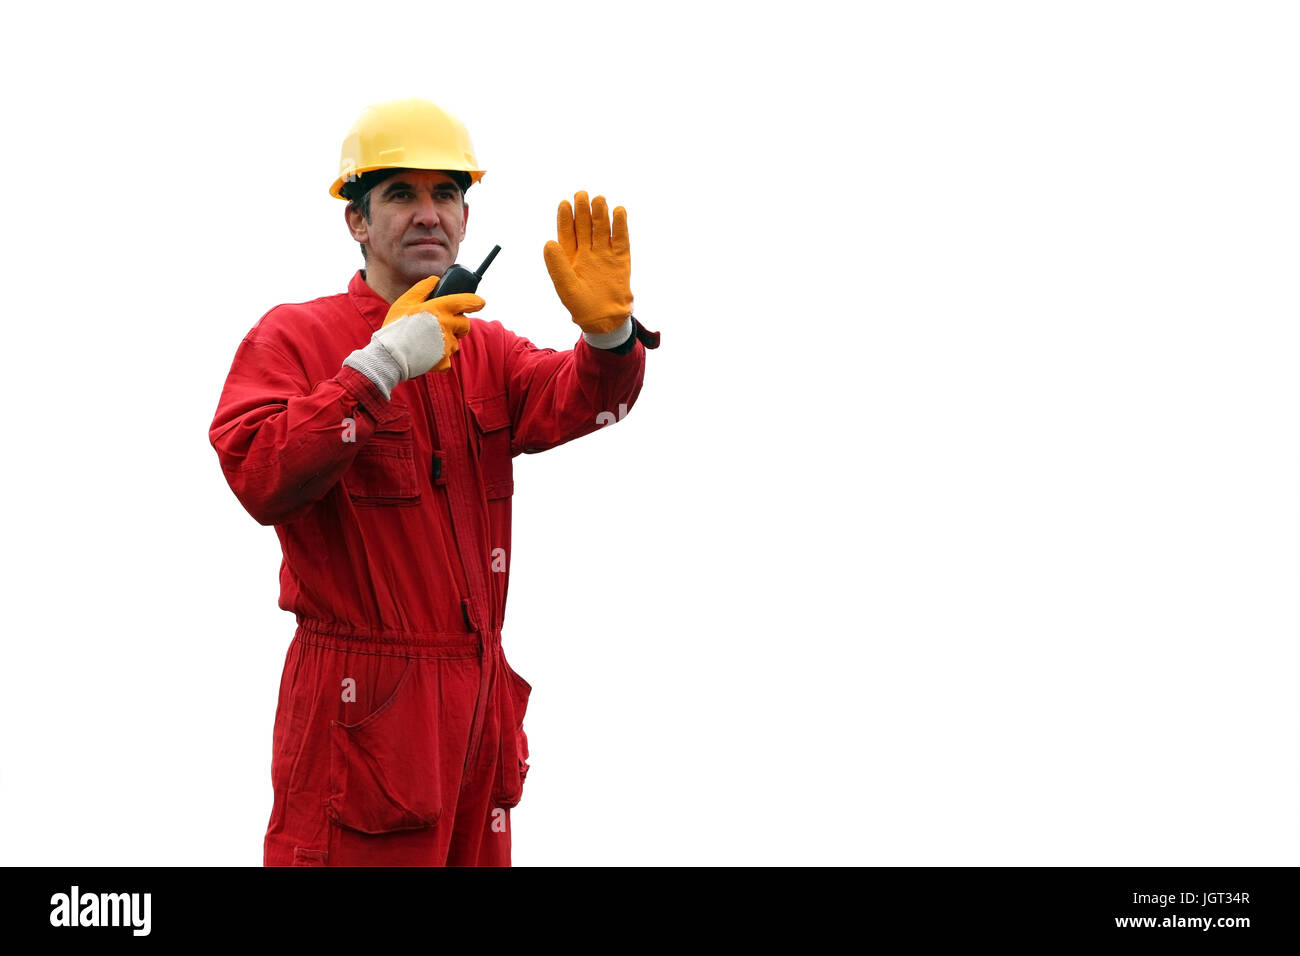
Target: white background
x=966, y=479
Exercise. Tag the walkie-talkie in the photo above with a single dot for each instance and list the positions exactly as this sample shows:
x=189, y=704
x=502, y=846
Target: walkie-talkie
x=459, y=279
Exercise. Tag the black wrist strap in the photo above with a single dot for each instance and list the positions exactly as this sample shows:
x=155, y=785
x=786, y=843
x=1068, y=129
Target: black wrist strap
x=649, y=339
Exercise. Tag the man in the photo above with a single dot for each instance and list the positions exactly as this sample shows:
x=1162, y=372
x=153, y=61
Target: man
x=375, y=431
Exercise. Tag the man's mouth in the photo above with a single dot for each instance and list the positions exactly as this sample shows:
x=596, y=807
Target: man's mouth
x=425, y=242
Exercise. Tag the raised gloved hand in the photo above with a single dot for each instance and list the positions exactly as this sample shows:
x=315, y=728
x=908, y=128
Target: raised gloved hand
x=590, y=265
x=416, y=337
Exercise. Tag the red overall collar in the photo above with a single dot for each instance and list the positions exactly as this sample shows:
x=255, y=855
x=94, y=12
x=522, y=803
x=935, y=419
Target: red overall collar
x=369, y=303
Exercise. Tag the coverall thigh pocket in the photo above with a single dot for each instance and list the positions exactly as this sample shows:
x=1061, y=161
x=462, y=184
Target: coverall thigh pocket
x=513, y=767
x=384, y=471
x=384, y=770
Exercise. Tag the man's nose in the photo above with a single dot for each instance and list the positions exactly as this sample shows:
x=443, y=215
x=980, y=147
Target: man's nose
x=426, y=213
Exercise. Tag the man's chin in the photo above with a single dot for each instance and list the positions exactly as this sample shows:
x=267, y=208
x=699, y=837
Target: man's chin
x=423, y=265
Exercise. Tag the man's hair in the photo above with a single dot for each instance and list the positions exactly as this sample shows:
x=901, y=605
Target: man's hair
x=357, y=192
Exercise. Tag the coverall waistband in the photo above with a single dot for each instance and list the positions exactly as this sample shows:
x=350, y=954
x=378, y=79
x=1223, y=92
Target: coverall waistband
x=341, y=636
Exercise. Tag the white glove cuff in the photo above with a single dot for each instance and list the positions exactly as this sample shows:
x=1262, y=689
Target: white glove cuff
x=376, y=363
x=610, y=340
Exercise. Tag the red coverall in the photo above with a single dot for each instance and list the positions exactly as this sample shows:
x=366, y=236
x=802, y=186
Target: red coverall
x=399, y=730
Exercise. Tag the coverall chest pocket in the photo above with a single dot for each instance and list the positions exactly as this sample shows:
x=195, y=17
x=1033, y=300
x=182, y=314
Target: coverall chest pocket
x=492, y=433
x=384, y=471
x=384, y=770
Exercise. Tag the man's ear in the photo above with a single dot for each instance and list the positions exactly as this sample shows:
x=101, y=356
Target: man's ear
x=464, y=221
x=357, y=224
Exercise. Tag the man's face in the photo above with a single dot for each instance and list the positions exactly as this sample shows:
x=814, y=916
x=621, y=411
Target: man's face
x=417, y=222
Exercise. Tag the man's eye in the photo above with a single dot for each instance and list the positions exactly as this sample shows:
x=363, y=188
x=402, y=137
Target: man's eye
x=446, y=195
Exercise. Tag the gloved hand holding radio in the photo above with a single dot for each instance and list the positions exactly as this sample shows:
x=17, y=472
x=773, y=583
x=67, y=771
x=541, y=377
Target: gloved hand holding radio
x=417, y=336
x=591, y=266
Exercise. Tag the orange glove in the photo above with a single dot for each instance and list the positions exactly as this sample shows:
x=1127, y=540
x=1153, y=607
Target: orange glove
x=592, y=269
x=447, y=309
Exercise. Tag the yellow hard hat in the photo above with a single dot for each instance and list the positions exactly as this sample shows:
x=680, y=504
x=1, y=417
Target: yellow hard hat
x=405, y=134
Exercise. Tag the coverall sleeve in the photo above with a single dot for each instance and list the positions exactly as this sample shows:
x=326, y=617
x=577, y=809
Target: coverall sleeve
x=556, y=397
x=284, y=443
